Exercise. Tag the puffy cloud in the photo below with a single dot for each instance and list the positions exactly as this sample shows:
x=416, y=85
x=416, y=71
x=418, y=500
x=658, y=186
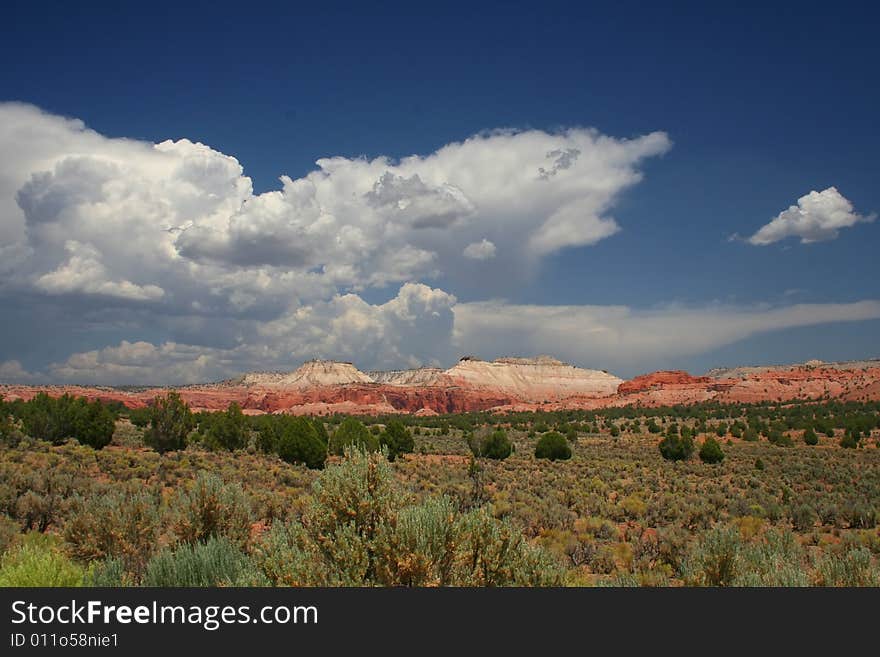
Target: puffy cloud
x=139, y=240
x=818, y=216
x=154, y=237
x=532, y=192
x=411, y=201
x=482, y=250
x=178, y=223
x=144, y=364
x=575, y=223
x=413, y=328
x=85, y=273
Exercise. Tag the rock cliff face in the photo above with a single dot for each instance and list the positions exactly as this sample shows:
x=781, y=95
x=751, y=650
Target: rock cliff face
x=423, y=376
x=811, y=366
x=663, y=379
x=531, y=379
x=310, y=374
x=375, y=398
x=853, y=381
x=506, y=384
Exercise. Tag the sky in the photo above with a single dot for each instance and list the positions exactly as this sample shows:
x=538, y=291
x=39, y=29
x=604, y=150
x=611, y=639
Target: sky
x=188, y=193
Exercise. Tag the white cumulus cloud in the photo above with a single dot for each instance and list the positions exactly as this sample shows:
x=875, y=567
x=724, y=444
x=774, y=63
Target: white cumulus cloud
x=818, y=216
x=138, y=240
x=84, y=272
x=178, y=222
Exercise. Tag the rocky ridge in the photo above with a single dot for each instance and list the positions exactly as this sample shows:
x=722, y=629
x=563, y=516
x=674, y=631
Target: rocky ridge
x=422, y=376
x=505, y=384
x=310, y=374
x=531, y=379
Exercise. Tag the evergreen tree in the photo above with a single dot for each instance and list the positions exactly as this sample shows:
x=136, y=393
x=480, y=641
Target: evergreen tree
x=396, y=439
x=352, y=432
x=298, y=442
x=229, y=429
x=810, y=437
x=553, y=446
x=676, y=448
x=495, y=445
x=711, y=452
x=171, y=420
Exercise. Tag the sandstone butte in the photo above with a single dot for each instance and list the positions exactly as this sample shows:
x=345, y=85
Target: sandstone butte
x=507, y=384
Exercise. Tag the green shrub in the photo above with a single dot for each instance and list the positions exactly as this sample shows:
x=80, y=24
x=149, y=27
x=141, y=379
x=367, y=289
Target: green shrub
x=553, y=446
x=9, y=532
x=9, y=432
x=396, y=439
x=715, y=559
x=352, y=433
x=676, y=448
x=810, y=437
x=776, y=559
x=803, y=517
x=212, y=509
x=216, y=562
x=57, y=419
x=721, y=557
x=419, y=548
x=109, y=572
x=227, y=430
x=634, y=506
x=350, y=503
x=854, y=568
x=494, y=553
x=38, y=561
x=170, y=423
x=139, y=417
x=361, y=530
x=496, y=445
x=287, y=556
x=120, y=524
x=321, y=431
x=710, y=451
x=37, y=499
x=298, y=442
x=780, y=439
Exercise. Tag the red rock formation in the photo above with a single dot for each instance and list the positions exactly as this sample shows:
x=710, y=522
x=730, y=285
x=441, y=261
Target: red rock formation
x=659, y=380
x=858, y=382
x=379, y=398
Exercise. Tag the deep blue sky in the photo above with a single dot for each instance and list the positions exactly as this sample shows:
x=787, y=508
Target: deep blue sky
x=764, y=102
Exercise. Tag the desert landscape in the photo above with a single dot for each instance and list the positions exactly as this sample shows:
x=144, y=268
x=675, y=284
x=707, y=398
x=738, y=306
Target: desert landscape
x=517, y=471
x=523, y=295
